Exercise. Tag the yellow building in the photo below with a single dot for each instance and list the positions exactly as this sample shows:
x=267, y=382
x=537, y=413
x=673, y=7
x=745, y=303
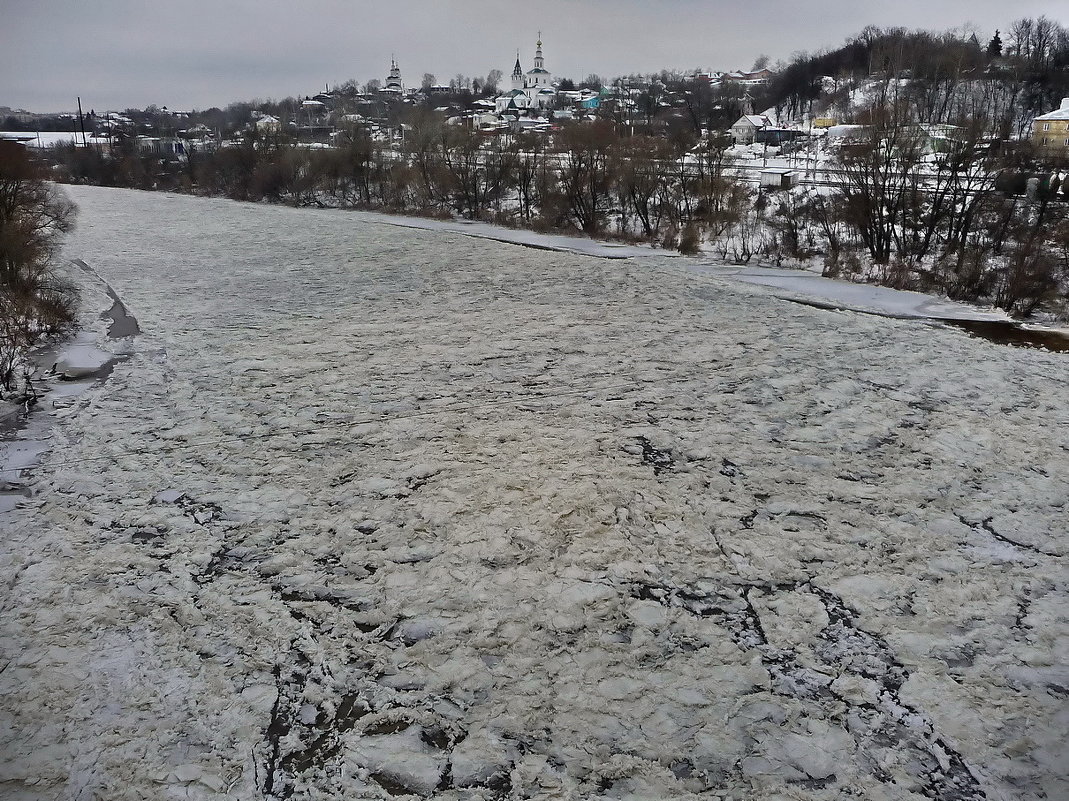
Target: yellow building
x=1051, y=131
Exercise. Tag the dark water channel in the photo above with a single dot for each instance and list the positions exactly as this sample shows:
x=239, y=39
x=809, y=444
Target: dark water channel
x=1000, y=332
x=123, y=324
x=1009, y=333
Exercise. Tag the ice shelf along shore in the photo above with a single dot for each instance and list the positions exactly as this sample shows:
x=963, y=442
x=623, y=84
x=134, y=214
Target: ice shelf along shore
x=377, y=512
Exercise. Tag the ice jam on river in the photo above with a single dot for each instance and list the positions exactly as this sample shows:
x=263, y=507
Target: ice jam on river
x=372, y=512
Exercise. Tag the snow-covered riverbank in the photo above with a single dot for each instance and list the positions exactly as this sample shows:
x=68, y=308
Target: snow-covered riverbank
x=60, y=372
x=790, y=283
x=378, y=510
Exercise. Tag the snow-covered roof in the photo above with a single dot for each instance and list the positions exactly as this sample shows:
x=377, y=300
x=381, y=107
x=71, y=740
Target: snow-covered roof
x=847, y=131
x=756, y=75
x=49, y=138
x=938, y=130
x=756, y=120
x=1058, y=114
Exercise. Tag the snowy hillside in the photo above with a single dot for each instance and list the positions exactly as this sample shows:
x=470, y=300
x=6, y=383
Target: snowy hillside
x=377, y=512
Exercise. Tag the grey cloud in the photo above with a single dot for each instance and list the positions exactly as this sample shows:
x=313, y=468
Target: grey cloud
x=199, y=53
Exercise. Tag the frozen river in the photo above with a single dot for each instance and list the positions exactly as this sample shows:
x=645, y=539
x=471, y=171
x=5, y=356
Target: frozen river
x=373, y=511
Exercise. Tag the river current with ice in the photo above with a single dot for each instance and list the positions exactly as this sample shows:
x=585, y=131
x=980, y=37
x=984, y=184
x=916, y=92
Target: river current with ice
x=373, y=512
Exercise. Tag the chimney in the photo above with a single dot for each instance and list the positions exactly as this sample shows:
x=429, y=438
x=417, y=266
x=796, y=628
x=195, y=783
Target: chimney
x=1065, y=104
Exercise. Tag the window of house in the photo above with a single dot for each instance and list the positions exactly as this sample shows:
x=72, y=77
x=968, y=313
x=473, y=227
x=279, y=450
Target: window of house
x=1046, y=126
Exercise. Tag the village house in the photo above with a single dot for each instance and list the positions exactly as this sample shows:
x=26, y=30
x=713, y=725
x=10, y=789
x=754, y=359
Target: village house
x=745, y=129
x=756, y=78
x=771, y=135
x=704, y=76
x=1050, y=132
x=266, y=123
x=583, y=99
x=162, y=146
x=937, y=137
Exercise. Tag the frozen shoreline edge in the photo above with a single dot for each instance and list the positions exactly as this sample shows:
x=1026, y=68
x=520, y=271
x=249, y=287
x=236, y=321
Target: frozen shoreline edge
x=64, y=369
x=845, y=295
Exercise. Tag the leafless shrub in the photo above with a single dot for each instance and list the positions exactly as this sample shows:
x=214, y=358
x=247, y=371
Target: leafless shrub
x=34, y=216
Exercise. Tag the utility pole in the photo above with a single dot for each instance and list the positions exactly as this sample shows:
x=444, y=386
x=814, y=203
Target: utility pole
x=81, y=122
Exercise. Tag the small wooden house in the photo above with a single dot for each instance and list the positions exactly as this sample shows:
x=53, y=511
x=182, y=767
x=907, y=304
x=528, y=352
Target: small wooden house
x=778, y=178
x=745, y=129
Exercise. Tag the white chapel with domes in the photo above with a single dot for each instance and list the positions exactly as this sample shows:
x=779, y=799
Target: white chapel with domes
x=530, y=90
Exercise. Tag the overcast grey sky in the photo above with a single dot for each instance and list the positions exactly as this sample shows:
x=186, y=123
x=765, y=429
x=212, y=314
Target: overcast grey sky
x=200, y=53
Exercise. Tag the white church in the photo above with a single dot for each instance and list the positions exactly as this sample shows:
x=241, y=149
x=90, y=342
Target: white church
x=531, y=90
x=393, y=80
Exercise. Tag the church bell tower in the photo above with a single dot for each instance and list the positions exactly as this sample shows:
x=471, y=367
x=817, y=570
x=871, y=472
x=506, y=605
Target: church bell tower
x=517, y=73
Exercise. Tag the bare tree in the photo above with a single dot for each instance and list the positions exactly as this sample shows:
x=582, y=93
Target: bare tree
x=642, y=181
x=34, y=216
x=529, y=158
x=423, y=141
x=584, y=171
x=879, y=177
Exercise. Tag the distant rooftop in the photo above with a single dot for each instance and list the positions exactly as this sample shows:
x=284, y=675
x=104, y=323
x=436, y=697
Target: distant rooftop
x=1058, y=114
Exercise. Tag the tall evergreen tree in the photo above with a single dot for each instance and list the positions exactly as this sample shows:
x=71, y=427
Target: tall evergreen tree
x=994, y=47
